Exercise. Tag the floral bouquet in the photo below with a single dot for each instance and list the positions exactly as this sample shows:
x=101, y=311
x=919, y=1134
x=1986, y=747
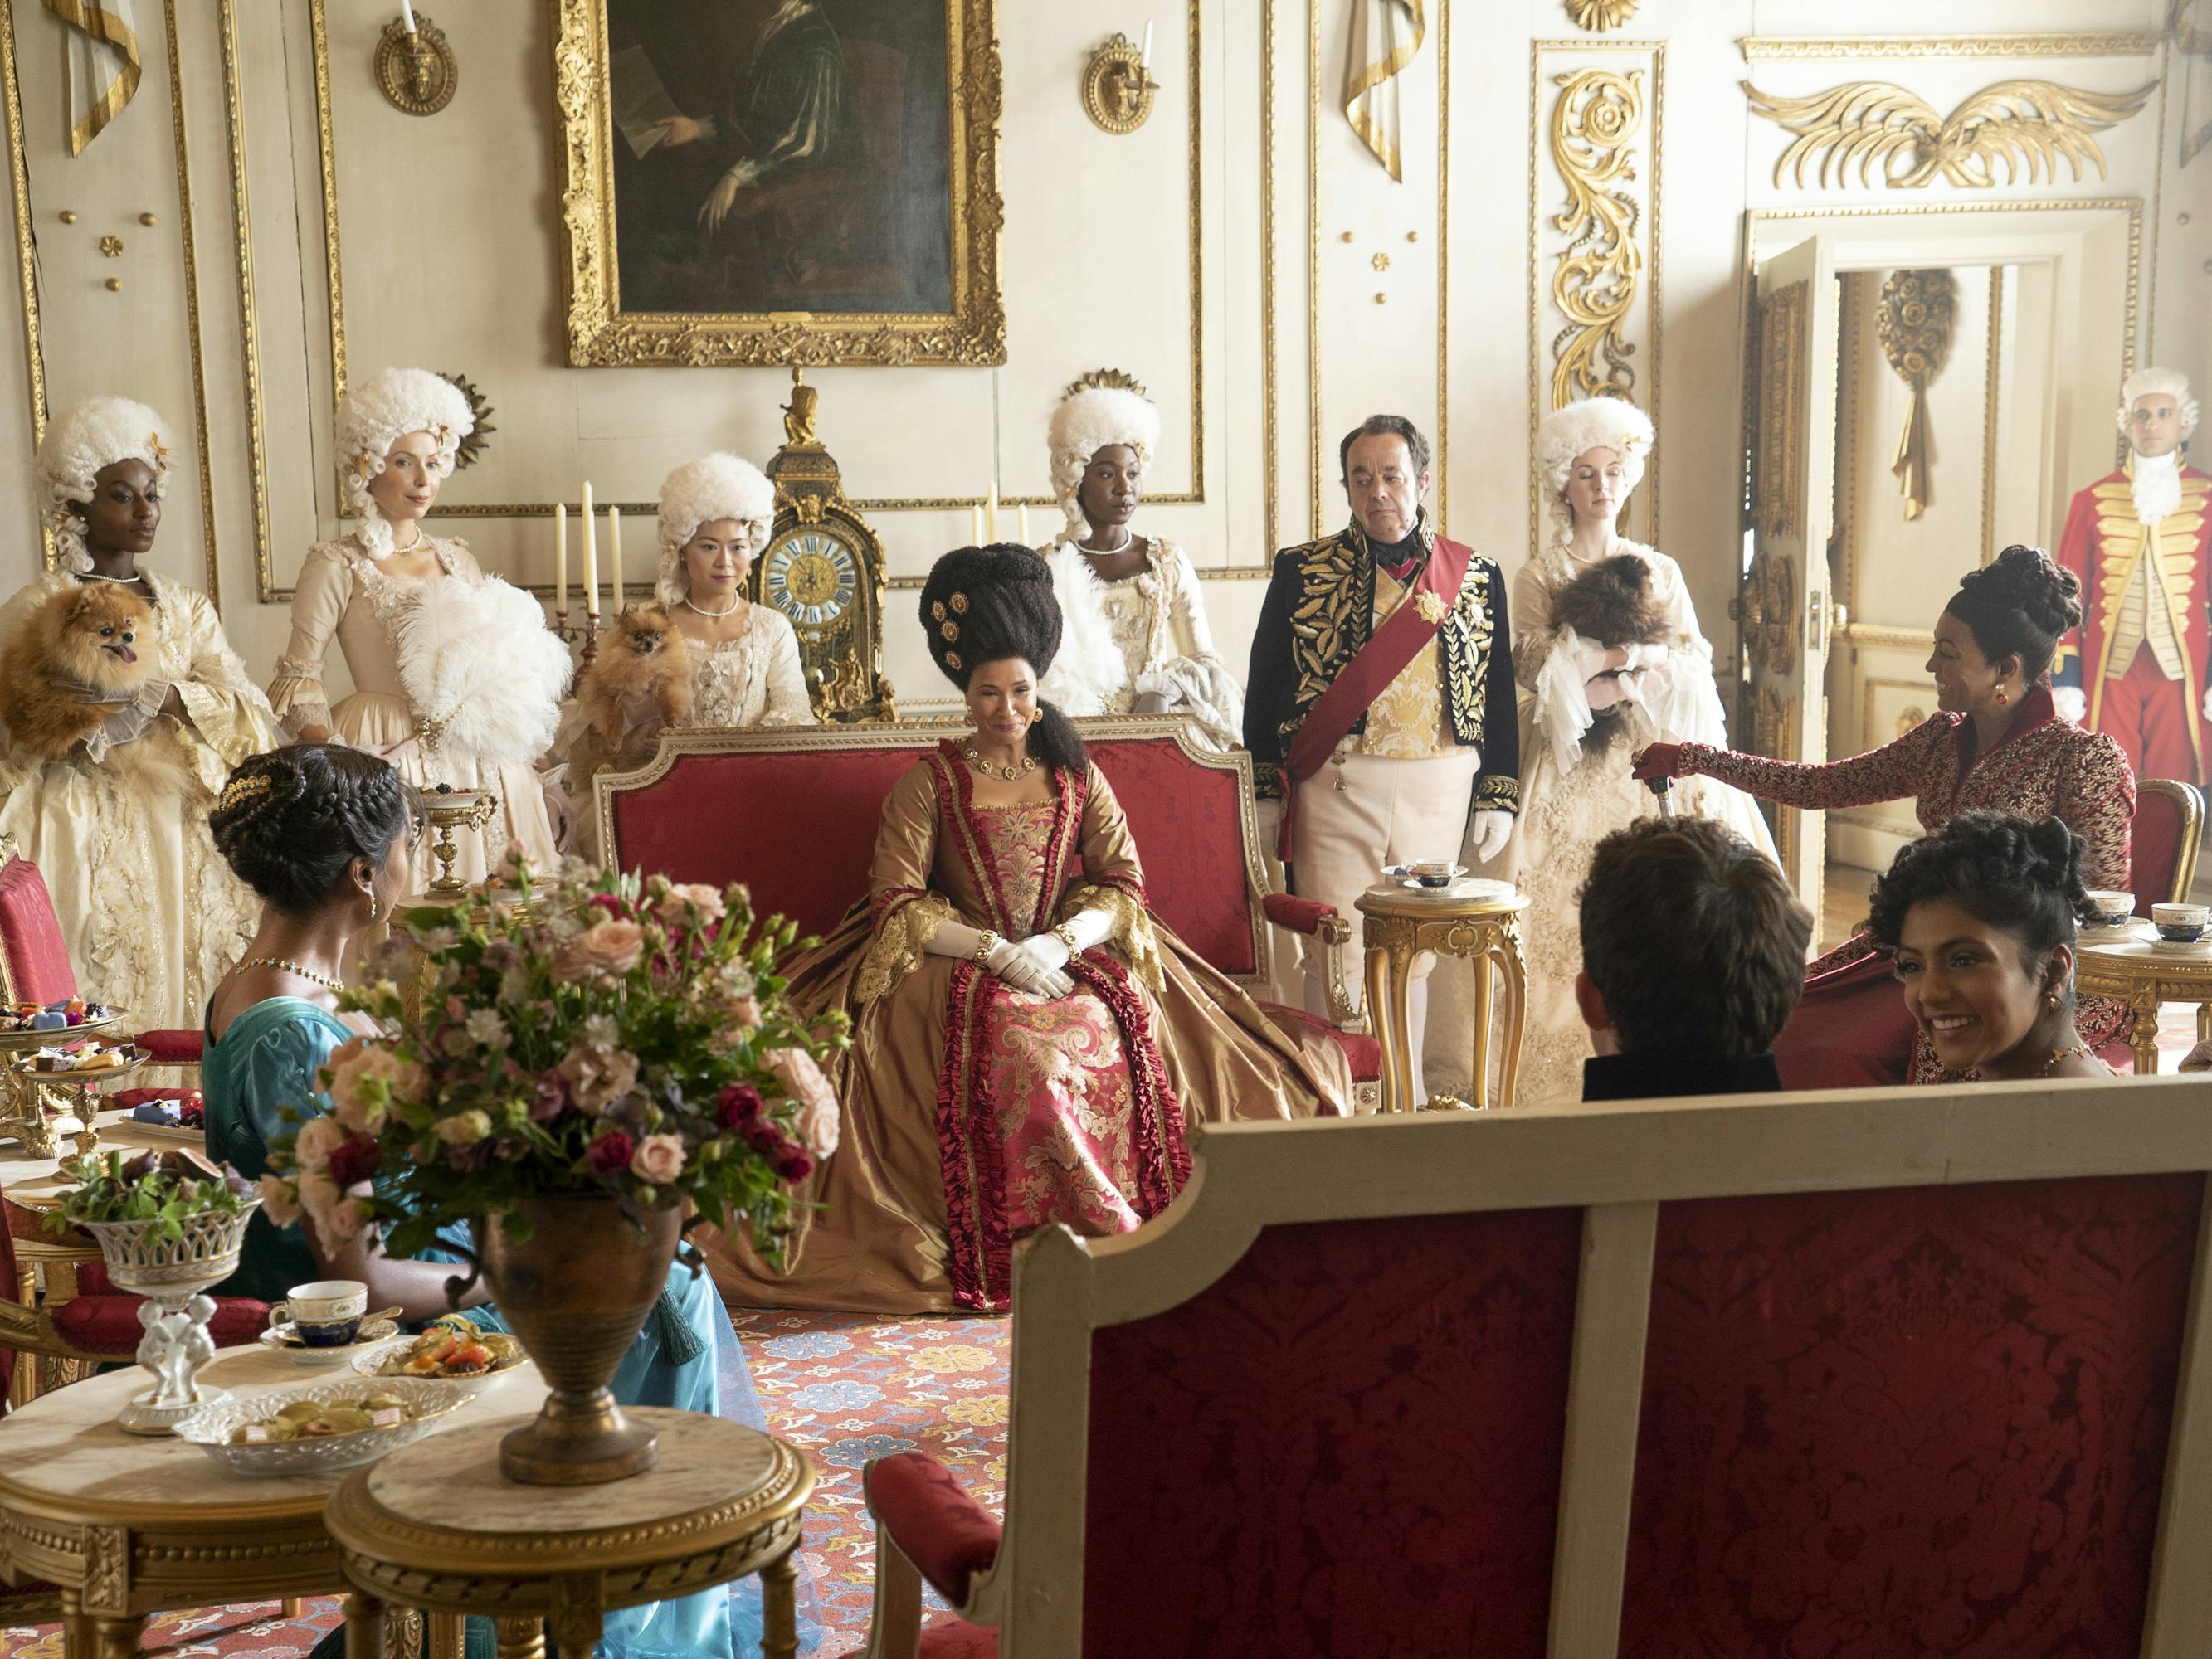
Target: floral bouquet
x=597, y=1037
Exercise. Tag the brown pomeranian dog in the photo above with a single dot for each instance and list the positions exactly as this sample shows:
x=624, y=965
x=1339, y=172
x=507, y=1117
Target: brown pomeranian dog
x=1613, y=604
x=641, y=661
x=81, y=640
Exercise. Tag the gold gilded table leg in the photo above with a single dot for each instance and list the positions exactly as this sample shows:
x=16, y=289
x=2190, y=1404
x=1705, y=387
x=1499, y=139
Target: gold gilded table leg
x=1401, y=1023
x=2205, y=1022
x=80, y=1634
x=2145, y=1039
x=1485, y=1016
x=364, y=1625
x=522, y=1639
x=449, y=1635
x=780, y=1606
x=1506, y=947
x=118, y=1637
x=1380, y=1021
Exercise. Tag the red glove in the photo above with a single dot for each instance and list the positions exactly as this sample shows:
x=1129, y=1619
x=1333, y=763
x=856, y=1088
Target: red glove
x=1662, y=760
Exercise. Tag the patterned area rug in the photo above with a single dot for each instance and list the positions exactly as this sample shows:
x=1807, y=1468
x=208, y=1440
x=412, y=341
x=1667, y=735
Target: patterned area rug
x=843, y=1387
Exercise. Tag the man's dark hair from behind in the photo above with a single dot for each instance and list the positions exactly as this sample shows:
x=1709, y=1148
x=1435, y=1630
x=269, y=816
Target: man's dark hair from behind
x=1694, y=939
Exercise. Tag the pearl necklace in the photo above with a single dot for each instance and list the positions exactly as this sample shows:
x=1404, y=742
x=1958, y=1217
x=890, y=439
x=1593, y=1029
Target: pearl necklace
x=1128, y=536
x=120, y=581
x=991, y=769
x=294, y=967
x=736, y=600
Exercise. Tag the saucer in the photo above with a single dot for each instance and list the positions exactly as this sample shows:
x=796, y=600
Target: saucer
x=286, y=1338
x=1404, y=875
x=2120, y=933
x=2172, y=947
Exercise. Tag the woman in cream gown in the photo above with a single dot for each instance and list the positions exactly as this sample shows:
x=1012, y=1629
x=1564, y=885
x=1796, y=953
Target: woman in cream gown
x=1586, y=711
x=151, y=912
x=456, y=679
x=1136, y=639
x=716, y=513
x=1029, y=1043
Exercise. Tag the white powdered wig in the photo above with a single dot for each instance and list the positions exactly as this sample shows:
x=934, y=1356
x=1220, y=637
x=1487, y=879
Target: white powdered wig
x=98, y=432
x=2149, y=382
x=1087, y=421
x=1566, y=434
x=375, y=414
x=717, y=486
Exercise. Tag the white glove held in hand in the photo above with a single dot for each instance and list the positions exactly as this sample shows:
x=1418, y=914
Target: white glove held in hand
x=2073, y=703
x=1034, y=965
x=1090, y=928
x=1491, y=829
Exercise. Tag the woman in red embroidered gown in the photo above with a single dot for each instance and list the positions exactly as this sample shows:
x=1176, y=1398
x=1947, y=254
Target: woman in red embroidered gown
x=1027, y=1043
x=1995, y=742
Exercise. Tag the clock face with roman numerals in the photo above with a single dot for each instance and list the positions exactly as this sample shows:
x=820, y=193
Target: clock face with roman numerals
x=810, y=574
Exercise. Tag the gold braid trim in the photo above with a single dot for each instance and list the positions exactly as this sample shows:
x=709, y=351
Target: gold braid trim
x=1132, y=939
x=896, y=948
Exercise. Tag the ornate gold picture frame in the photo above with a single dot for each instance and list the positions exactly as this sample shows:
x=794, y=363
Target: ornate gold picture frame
x=817, y=184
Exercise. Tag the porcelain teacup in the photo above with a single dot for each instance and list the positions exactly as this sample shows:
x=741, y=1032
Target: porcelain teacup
x=327, y=1314
x=2180, y=924
x=2113, y=909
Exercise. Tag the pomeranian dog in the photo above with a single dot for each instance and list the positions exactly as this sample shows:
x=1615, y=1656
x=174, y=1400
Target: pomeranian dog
x=642, y=663
x=81, y=644
x=1613, y=604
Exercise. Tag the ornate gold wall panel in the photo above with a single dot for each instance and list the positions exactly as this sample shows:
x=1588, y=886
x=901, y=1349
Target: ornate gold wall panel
x=1777, y=479
x=1597, y=114
x=2102, y=43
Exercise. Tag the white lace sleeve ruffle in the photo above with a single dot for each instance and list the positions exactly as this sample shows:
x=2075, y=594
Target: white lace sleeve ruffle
x=1090, y=671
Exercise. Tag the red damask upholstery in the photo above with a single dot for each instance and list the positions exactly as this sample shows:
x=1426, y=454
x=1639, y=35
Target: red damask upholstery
x=947, y=1534
x=1915, y=1421
x=1250, y=1486
x=1189, y=824
x=2157, y=853
x=956, y=1638
x=174, y=1047
x=37, y=956
x=1361, y=1053
x=1300, y=915
x=108, y=1325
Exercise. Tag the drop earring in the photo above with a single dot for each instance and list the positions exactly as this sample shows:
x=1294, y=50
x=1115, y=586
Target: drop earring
x=2002, y=699
x=372, y=906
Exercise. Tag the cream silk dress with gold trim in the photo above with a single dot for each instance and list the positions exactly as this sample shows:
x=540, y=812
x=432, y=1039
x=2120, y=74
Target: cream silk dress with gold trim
x=343, y=593
x=1145, y=635
x=152, y=915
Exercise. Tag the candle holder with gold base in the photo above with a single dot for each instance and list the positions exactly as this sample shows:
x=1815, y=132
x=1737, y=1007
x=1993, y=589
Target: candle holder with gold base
x=584, y=638
x=447, y=809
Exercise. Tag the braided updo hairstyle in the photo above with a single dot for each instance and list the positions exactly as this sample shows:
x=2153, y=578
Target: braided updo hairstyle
x=289, y=822
x=2020, y=605
x=2023, y=875
x=984, y=605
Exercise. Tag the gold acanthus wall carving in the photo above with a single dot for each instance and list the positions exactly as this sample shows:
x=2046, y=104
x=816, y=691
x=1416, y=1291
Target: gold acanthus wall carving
x=2030, y=126
x=1601, y=14
x=1598, y=115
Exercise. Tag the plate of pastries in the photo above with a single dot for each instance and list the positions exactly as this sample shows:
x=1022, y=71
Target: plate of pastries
x=83, y=1060
x=318, y=1427
x=31, y=1022
x=454, y=1351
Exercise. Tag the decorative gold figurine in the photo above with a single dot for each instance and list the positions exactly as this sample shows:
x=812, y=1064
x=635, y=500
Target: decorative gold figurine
x=1118, y=87
x=414, y=68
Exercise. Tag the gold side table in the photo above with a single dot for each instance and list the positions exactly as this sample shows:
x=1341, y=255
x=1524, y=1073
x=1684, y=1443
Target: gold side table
x=2146, y=978
x=444, y=1532
x=1477, y=919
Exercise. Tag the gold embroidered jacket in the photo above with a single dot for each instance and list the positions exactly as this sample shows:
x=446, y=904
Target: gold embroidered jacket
x=1320, y=611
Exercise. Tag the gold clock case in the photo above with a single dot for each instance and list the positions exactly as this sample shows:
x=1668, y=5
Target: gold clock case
x=843, y=655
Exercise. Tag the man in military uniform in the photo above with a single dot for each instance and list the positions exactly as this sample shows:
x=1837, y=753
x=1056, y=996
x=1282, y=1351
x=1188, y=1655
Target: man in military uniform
x=2140, y=539
x=1381, y=698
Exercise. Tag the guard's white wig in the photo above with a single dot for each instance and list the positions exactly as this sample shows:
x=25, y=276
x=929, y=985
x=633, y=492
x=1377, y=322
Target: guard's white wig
x=2149, y=382
x=1566, y=434
x=98, y=432
x=375, y=414
x=1087, y=421
x=717, y=486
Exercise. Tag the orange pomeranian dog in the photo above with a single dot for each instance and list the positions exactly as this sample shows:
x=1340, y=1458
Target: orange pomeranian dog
x=641, y=669
x=72, y=662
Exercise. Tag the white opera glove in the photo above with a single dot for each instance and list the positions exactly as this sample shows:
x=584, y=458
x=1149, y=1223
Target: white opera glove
x=1491, y=831
x=1038, y=965
x=1647, y=656
x=2072, y=702
x=1086, y=928
x=2208, y=702
x=1603, y=690
x=1004, y=958
x=129, y=723
x=1592, y=658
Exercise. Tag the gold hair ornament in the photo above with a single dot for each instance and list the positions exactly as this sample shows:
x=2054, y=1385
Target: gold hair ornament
x=243, y=789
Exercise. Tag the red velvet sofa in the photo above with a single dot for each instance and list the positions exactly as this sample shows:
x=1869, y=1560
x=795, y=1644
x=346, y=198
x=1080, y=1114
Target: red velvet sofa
x=792, y=814
x=1870, y=1373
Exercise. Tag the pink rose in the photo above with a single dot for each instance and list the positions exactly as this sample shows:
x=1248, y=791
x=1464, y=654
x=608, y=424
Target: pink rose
x=279, y=1202
x=597, y=1078
x=317, y=1140
x=609, y=946
x=354, y=1067
x=337, y=1220
x=658, y=1159
x=745, y=1012
x=677, y=908
x=817, y=1118
x=610, y=1153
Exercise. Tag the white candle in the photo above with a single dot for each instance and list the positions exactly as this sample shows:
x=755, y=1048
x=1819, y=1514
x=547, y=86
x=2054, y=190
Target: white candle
x=1023, y=519
x=614, y=554
x=991, y=513
x=560, y=555
x=1143, y=59
x=975, y=526
x=407, y=16
x=591, y=559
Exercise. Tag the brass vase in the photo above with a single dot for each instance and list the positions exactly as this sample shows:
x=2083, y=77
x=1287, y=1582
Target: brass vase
x=575, y=1292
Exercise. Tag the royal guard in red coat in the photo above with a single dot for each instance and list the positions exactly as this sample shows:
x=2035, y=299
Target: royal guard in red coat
x=2140, y=539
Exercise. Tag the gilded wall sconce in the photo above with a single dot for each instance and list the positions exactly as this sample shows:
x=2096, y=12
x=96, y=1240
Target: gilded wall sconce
x=1118, y=87
x=414, y=64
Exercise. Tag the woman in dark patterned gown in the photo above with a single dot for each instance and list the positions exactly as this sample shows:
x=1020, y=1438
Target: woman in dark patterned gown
x=1996, y=742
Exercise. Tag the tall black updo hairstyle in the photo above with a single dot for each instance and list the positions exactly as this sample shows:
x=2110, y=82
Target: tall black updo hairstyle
x=2023, y=875
x=989, y=603
x=290, y=820
x=2020, y=605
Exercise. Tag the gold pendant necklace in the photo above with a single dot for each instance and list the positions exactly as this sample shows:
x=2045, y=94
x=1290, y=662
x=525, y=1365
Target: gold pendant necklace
x=991, y=770
x=294, y=967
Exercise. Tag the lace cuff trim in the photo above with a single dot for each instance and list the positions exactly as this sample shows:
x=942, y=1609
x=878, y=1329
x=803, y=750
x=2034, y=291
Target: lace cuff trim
x=896, y=948
x=1132, y=937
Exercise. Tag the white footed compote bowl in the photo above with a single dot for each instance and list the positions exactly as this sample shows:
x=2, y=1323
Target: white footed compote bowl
x=173, y=1275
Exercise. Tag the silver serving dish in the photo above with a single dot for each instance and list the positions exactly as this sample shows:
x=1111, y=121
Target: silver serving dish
x=210, y=1428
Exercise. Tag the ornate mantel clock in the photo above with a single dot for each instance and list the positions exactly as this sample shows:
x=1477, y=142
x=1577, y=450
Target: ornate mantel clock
x=823, y=568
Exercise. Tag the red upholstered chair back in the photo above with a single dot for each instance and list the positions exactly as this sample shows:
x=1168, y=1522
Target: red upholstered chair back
x=2168, y=827
x=34, y=962
x=792, y=814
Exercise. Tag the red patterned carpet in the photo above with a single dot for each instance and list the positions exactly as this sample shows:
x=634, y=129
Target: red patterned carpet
x=844, y=1388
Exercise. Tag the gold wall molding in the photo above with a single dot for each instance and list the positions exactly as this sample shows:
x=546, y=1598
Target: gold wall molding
x=1923, y=689
x=1992, y=382
x=1595, y=218
x=1313, y=262
x=257, y=436
x=1601, y=14
x=2030, y=126
x=1444, y=261
x=1777, y=479
x=27, y=276
x=2099, y=43
x=1877, y=636
x=1270, y=428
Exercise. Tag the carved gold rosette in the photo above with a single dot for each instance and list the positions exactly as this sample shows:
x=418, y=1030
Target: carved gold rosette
x=1594, y=122
x=1913, y=321
x=1601, y=14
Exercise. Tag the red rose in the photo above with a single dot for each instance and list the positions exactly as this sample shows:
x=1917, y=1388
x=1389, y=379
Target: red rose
x=793, y=1164
x=739, y=1106
x=353, y=1160
x=609, y=1154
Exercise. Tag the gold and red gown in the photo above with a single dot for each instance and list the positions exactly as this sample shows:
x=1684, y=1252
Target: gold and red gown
x=974, y=1113
x=1851, y=1028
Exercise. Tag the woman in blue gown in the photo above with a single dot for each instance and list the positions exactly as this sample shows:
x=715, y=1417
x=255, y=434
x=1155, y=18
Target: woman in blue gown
x=325, y=834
